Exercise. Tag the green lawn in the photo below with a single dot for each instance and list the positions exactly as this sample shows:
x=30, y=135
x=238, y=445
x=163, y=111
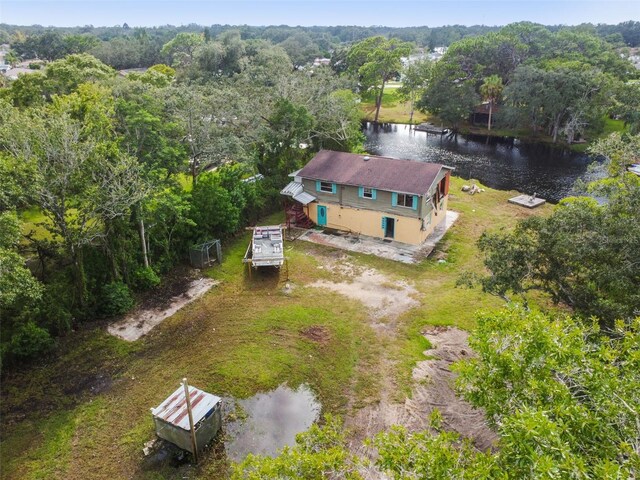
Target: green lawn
x=85, y=412
x=393, y=110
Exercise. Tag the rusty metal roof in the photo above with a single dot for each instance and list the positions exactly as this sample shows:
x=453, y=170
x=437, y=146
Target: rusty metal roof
x=174, y=409
x=372, y=171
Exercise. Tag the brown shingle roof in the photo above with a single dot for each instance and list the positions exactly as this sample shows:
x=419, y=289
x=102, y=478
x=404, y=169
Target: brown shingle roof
x=383, y=173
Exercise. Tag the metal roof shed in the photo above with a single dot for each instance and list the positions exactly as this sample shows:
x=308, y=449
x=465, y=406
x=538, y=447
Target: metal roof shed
x=171, y=418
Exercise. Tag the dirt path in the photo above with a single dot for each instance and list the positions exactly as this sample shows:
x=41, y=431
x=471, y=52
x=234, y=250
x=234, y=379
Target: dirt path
x=385, y=300
x=433, y=388
x=140, y=322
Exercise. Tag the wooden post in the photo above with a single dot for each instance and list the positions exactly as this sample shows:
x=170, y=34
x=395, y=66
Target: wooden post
x=194, y=443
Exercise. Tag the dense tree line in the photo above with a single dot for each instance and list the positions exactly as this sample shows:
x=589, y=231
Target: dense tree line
x=125, y=47
x=561, y=84
x=122, y=174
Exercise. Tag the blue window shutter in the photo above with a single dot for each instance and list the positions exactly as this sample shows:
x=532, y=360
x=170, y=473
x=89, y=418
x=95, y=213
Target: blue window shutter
x=414, y=204
x=384, y=223
x=373, y=194
x=334, y=188
x=317, y=185
x=360, y=192
x=394, y=199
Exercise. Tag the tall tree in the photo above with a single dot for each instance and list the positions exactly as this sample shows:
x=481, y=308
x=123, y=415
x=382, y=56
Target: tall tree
x=377, y=60
x=491, y=89
x=415, y=80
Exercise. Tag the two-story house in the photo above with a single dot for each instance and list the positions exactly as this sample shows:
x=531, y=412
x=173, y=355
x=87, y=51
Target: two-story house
x=383, y=197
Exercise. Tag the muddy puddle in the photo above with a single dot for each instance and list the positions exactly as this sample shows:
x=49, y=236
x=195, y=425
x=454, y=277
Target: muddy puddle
x=267, y=422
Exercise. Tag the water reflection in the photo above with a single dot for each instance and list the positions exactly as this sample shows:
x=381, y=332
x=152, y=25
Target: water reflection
x=271, y=421
x=505, y=164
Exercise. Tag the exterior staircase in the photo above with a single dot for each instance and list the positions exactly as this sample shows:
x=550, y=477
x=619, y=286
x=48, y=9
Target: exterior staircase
x=297, y=218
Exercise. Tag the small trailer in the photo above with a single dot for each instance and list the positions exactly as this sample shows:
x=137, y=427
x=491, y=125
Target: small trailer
x=266, y=248
x=188, y=423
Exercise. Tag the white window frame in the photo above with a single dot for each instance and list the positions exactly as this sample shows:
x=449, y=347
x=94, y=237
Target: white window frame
x=325, y=185
x=367, y=193
x=405, y=197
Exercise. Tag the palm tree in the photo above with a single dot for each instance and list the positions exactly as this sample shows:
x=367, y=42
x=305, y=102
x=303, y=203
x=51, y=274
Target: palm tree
x=491, y=90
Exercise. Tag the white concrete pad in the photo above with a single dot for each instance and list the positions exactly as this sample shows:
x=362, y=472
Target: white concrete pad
x=139, y=323
x=528, y=201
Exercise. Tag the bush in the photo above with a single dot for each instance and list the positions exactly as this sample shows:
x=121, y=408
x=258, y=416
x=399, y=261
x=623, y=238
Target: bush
x=29, y=341
x=35, y=66
x=145, y=278
x=116, y=299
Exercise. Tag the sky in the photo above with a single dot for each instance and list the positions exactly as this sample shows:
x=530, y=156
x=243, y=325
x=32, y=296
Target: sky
x=393, y=13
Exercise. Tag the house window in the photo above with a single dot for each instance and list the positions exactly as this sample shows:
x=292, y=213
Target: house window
x=367, y=192
x=405, y=200
x=326, y=187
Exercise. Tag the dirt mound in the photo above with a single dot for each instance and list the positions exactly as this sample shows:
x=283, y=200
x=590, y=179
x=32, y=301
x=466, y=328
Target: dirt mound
x=317, y=333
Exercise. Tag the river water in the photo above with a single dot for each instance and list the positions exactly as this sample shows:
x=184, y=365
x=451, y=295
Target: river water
x=504, y=164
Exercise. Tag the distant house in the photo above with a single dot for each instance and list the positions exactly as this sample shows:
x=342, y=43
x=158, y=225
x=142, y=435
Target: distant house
x=321, y=61
x=402, y=200
x=480, y=114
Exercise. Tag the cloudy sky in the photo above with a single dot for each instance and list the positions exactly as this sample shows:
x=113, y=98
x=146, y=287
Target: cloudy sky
x=397, y=13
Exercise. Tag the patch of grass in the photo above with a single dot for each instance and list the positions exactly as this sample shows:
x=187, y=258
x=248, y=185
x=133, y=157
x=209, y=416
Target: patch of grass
x=33, y=224
x=48, y=443
x=393, y=109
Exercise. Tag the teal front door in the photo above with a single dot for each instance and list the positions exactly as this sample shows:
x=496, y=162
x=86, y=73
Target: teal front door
x=322, y=215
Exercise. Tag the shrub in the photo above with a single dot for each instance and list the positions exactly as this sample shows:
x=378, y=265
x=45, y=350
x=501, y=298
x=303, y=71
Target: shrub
x=145, y=278
x=116, y=299
x=30, y=340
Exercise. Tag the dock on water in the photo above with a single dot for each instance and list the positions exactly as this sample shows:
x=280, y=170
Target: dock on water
x=527, y=201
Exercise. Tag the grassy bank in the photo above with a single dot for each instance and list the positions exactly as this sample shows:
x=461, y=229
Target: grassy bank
x=393, y=109
x=84, y=413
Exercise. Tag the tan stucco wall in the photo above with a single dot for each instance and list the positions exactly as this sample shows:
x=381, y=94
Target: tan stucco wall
x=369, y=222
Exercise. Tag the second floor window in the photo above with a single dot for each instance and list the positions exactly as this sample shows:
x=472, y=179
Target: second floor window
x=405, y=200
x=367, y=192
x=326, y=187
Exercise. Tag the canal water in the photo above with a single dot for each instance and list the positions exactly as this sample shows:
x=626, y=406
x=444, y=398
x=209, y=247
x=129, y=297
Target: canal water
x=504, y=164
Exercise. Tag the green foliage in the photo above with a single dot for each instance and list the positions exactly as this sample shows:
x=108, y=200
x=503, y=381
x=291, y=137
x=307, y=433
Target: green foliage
x=564, y=99
x=450, y=95
x=168, y=213
x=584, y=255
x=29, y=341
x=319, y=453
x=145, y=278
x=436, y=455
x=181, y=48
x=116, y=299
x=216, y=210
x=376, y=60
x=290, y=126
x=562, y=394
x=9, y=229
